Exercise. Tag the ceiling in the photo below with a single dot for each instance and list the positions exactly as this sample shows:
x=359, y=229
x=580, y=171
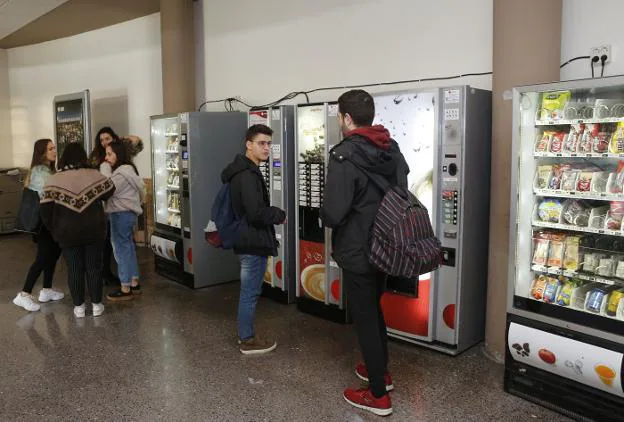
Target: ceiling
x=24, y=22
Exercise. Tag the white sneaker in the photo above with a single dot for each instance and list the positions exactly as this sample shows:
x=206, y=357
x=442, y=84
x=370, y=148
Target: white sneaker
x=27, y=302
x=47, y=295
x=98, y=309
x=79, y=311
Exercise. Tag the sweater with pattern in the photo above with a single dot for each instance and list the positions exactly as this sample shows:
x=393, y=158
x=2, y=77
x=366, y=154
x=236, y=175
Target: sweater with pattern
x=72, y=206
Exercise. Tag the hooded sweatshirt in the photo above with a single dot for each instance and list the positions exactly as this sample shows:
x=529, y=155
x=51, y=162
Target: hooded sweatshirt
x=250, y=200
x=129, y=191
x=350, y=199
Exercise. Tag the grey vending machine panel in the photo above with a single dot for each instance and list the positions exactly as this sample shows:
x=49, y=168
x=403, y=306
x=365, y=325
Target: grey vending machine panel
x=199, y=147
x=445, y=135
x=319, y=279
x=279, y=174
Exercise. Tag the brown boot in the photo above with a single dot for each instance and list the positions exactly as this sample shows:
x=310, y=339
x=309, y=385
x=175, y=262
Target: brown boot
x=256, y=346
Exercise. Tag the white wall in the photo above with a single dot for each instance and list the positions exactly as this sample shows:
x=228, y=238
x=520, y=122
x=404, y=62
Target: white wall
x=118, y=63
x=263, y=50
x=588, y=24
x=6, y=146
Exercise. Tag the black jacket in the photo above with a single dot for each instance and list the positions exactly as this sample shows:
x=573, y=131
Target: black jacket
x=250, y=199
x=351, y=201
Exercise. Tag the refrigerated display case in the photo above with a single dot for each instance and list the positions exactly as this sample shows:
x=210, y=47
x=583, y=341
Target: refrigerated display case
x=72, y=120
x=189, y=151
x=445, y=136
x=565, y=325
x=279, y=175
x=319, y=279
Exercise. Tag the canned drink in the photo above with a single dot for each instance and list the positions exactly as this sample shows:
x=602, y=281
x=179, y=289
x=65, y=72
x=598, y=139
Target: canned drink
x=614, y=301
x=596, y=296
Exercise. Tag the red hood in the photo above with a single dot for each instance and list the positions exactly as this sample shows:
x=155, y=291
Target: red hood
x=376, y=135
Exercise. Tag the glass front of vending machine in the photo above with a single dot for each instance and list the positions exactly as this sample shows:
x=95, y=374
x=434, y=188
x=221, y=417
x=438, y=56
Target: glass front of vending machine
x=319, y=281
x=279, y=175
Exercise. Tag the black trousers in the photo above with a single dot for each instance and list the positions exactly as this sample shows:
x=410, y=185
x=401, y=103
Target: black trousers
x=48, y=253
x=364, y=293
x=84, y=261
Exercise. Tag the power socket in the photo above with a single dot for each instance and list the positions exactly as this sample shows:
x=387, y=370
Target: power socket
x=600, y=51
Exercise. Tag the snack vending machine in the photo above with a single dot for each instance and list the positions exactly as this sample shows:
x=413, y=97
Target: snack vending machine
x=189, y=151
x=279, y=176
x=72, y=120
x=445, y=136
x=319, y=283
x=565, y=321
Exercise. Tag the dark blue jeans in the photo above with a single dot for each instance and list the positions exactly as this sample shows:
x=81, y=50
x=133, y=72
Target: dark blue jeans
x=252, y=277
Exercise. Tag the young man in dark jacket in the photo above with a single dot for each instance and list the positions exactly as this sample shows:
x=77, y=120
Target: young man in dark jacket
x=250, y=200
x=350, y=204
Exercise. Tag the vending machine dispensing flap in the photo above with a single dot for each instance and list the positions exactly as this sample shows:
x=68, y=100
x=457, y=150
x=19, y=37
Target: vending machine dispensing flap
x=171, y=250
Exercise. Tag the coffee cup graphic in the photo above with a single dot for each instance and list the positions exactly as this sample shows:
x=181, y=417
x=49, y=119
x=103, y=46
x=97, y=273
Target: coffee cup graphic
x=313, y=281
x=606, y=374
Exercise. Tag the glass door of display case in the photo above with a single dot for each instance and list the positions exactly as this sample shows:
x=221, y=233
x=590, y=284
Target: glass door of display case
x=568, y=205
x=165, y=136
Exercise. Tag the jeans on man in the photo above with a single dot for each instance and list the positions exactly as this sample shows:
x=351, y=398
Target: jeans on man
x=252, y=277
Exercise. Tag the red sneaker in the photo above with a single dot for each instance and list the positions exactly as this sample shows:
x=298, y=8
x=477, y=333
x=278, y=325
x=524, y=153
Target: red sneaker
x=362, y=373
x=364, y=399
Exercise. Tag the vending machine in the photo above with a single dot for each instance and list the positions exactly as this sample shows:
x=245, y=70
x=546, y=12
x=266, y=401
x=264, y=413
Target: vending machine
x=72, y=120
x=445, y=136
x=189, y=152
x=319, y=280
x=565, y=320
x=279, y=175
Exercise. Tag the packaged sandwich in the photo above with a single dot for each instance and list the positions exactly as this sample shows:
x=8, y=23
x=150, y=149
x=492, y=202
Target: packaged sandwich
x=556, y=142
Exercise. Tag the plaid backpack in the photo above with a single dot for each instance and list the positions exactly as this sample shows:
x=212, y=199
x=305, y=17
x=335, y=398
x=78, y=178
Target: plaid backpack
x=402, y=242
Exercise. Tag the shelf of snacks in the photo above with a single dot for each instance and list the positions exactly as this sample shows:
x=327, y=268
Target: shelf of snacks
x=577, y=275
x=593, y=140
x=590, y=297
x=582, y=195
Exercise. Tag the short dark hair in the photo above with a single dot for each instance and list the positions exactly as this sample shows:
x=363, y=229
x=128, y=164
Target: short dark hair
x=74, y=156
x=358, y=104
x=256, y=130
x=123, y=155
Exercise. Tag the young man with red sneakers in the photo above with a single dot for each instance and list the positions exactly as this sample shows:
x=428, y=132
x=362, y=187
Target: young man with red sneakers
x=350, y=204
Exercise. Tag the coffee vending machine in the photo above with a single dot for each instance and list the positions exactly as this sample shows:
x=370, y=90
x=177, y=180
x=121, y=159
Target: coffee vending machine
x=445, y=136
x=279, y=176
x=319, y=280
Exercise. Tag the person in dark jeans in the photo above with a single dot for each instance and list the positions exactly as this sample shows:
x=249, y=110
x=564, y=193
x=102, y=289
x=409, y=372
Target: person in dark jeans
x=42, y=166
x=350, y=204
x=71, y=208
x=250, y=200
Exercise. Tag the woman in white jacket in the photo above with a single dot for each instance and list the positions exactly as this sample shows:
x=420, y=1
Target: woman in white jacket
x=123, y=208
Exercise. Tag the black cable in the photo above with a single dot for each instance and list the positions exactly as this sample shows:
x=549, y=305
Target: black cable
x=603, y=59
x=592, y=68
x=574, y=59
x=295, y=94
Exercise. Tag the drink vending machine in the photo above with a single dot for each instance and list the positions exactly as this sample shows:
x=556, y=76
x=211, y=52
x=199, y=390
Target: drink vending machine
x=445, y=136
x=279, y=175
x=189, y=152
x=319, y=281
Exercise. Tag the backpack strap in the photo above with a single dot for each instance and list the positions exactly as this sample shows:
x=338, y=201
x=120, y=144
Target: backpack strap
x=379, y=181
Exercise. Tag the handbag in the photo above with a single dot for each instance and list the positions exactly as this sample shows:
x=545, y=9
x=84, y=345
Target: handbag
x=28, y=218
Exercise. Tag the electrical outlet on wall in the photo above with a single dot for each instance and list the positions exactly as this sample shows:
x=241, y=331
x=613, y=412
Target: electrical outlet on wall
x=600, y=51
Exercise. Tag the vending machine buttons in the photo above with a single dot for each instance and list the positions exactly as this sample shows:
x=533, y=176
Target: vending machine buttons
x=449, y=206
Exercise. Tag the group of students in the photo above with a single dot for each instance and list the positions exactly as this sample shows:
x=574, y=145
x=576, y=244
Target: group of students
x=88, y=208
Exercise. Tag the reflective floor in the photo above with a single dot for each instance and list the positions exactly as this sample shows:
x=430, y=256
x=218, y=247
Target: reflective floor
x=171, y=355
